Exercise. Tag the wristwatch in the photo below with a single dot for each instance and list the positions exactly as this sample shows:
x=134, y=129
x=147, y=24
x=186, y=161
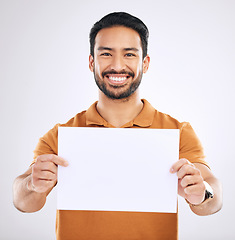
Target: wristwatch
x=209, y=191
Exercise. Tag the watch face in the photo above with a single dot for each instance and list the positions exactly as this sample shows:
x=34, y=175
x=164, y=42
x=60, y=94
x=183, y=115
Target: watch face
x=208, y=194
x=209, y=191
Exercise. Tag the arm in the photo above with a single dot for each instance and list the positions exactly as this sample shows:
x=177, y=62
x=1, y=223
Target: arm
x=192, y=188
x=31, y=188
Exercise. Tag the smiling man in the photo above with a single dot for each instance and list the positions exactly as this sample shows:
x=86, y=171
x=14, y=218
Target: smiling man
x=118, y=63
x=118, y=58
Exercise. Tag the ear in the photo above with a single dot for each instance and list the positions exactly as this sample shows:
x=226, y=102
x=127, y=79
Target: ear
x=146, y=64
x=91, y=63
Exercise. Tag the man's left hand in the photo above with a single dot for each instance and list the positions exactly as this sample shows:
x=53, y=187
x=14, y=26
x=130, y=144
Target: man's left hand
x=190, y=181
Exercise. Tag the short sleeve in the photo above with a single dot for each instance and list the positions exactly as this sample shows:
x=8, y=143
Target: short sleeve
x=190, y=146
x=48, y=144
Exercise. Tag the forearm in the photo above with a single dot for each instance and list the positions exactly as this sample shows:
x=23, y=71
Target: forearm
x=24, y=198
x=212, y=205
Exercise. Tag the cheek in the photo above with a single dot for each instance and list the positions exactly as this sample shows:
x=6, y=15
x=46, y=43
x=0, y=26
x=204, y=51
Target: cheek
x=137, y=68
x=136, y=65
x=99, y=67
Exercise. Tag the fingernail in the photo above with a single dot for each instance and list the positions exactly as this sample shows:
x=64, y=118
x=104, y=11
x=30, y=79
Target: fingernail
x=172, y=170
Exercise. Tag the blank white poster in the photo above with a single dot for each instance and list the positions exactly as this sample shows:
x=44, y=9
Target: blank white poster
x=118, y=169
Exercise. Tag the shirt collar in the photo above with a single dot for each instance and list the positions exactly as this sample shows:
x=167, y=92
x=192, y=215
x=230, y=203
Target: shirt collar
x=146, y=116
x=144, y=119
x=93, y=117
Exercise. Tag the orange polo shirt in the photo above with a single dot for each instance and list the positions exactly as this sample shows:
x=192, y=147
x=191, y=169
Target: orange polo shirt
x=115, y=225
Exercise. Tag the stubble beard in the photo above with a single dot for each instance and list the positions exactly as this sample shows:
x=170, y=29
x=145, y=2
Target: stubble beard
x=118, y=94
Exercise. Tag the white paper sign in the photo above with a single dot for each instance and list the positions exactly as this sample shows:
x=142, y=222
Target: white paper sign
x=113, y=169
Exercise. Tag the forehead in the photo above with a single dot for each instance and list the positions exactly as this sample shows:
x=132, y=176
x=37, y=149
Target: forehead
x=118, y=37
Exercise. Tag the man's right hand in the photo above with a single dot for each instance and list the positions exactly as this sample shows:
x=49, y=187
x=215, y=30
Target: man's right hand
x=44, y=172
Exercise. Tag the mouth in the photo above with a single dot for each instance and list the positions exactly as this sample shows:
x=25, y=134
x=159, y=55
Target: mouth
x=118, y=78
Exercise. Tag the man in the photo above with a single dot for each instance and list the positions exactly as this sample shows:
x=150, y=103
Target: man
x=118, y=58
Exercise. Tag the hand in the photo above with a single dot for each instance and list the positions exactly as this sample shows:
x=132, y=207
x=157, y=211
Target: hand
x=190, y=181
x=44, y=172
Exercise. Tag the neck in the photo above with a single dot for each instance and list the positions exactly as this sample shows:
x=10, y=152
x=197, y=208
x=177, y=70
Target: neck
x=117, y=112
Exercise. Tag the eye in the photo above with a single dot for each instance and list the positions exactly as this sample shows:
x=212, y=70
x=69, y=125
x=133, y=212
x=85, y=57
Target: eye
x=130, y=55
x=106, y=54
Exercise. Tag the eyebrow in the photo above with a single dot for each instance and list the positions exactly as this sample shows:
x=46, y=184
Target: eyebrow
x=105, y=48
x=125, y=49
x=131, y=49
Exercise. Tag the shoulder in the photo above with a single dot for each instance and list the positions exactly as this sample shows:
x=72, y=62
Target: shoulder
x=79, y=120
x=166, y=121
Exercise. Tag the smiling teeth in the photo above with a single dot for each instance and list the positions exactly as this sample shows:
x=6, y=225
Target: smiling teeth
x=117, y=79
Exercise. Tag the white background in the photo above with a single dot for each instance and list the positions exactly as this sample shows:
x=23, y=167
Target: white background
x=45, y=79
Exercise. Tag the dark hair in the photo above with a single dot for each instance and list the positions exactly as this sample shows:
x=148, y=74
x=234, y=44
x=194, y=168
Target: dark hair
x=120, y=19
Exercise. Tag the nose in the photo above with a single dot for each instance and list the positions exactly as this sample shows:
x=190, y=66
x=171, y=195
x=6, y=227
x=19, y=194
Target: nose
x=118, y=63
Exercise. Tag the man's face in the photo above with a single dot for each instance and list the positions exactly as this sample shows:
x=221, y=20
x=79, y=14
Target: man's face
x=118, y=63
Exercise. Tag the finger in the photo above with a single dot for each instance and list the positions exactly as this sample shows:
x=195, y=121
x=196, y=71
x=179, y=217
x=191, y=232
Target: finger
x=44, y=166
x=187, y=169
x=49, y=166
x=177, y=165
x=42, y=186
x=40, y=169
x=47, y=175
x=190, y=180
x=196, y=189
x=53, y=158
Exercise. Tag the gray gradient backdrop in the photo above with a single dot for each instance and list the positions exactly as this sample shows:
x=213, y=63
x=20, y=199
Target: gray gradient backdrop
x=44, y=79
